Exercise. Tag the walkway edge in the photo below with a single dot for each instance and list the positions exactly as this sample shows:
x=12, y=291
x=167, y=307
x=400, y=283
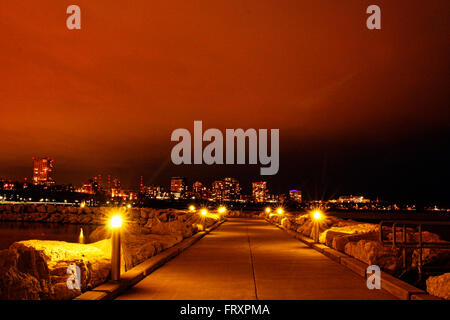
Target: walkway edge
x=111, y=289
x=389, y=283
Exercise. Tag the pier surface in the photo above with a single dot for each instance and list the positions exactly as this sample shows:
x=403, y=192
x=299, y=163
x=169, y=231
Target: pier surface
x=252, y=259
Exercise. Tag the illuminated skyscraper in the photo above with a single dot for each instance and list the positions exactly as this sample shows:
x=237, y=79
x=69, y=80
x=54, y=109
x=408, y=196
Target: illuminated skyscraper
x=232, y=190
x=259, y=191
x=197, y=187
x=177, y=187
x=218, y=190
x=226, y=190
x=200, y=191
x=42, y=171
x=295, y=195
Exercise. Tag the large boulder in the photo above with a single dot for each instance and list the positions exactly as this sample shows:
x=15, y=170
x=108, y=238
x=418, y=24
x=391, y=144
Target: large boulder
x=139, y=247
x=177, y=227
x=439, y=286
x=430, y=256
x=374, y=253
x=138, y=244
x=339, y=241
x=37, y=269
x=51, y=209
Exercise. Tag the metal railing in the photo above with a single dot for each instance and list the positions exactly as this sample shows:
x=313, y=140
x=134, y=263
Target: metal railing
x=404, y=244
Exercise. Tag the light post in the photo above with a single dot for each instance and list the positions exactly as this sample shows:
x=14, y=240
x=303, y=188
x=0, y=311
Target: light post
x=317, y=216
x=203, y=214
x=116, y=224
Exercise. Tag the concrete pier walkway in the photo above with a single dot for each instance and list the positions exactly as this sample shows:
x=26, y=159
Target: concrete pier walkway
x=251, y=259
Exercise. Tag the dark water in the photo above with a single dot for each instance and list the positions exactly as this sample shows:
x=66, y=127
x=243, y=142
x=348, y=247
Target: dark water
x=17, y=231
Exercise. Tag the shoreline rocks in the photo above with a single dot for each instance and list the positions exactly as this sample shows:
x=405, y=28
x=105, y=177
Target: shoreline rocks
x=439, y=286
x=37, y=269
x=360, y=240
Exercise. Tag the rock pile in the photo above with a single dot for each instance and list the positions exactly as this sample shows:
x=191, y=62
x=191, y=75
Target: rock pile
x=155, y=232
x=37, y=269
x=439, y=286
x=360, y=240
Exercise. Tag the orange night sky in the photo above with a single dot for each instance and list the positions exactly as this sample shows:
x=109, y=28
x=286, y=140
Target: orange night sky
x=358, y=110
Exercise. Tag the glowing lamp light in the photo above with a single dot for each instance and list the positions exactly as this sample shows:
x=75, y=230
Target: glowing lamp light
x=82, y=205
x=317, y=215
x=268, y=210
x=280, y=211
x=222, y=209
x=192, y=208
x=129, y=206
x=204, y=212
x=116, y=222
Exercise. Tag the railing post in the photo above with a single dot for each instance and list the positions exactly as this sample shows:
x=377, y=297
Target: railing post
x=115, y=255
x=381, y=231
x=394, y=235
x=404, y=246
x=420, y=253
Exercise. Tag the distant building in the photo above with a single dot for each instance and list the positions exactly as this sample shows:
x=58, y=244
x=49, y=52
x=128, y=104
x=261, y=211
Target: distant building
x=218, y=190
x=353, y=199
x=98, y=180
x=259, y=191
x=197, y=188
x=42, y=171
x=232, y=190
x=116, y=189
x=200, y=191
x=295, y=195
x=7, y=185
x=90, y=187
x=153, y=192
x=177, y=187
x=281, y=197
x=227, y=189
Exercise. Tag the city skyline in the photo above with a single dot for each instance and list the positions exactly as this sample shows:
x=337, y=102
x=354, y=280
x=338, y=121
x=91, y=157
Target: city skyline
x=226, y=189
x=112, y=182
